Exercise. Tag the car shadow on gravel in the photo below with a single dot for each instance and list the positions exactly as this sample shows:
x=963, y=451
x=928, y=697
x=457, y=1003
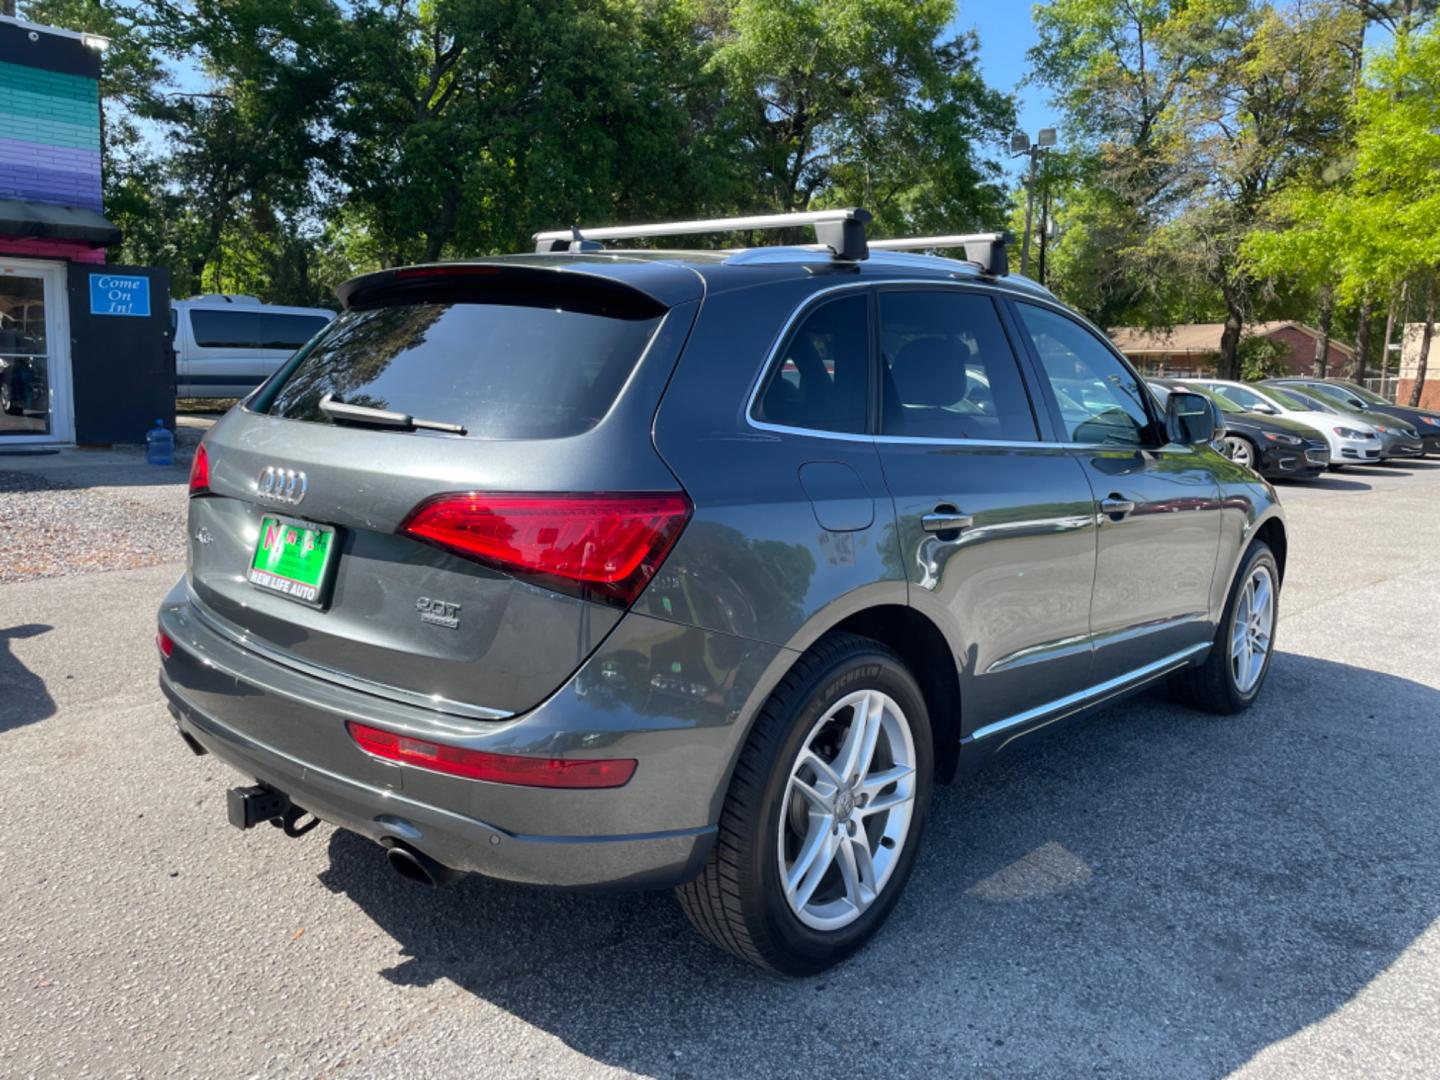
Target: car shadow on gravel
x=1155, y=892
x=24, y=698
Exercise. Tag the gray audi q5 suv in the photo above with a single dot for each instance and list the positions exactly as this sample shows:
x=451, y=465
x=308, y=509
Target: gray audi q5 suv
x=698, y=569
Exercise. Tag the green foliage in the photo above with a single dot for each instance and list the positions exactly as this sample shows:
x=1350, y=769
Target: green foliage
x=1190, y=113
x=1262, y=358
x=330, y=137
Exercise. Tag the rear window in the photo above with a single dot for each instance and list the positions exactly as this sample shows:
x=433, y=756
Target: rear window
x=253, y=329
x=502, y=370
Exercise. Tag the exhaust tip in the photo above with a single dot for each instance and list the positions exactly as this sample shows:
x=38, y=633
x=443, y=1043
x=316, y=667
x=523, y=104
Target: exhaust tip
x=417, y=866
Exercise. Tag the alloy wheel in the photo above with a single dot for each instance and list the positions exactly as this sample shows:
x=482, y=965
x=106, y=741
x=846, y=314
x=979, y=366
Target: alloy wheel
x=1253, y=629
x=1238, y=451
x=847, y=810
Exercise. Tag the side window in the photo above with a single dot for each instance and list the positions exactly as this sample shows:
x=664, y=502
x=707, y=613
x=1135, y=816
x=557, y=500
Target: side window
x=241, y=329
x=949, y=371
x=820, y=380
x=1100, y=401
x=1246, y=399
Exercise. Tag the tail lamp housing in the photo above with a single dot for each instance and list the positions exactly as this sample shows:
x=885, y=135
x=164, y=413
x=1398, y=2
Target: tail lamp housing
x=603, y=547
x=200, y=471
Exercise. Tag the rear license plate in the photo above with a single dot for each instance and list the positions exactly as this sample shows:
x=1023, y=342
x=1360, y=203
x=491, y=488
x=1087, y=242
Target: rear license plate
x=293, y=558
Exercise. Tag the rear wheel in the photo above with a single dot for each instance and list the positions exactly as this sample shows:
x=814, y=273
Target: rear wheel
x=824, y=814
x=1234, y=671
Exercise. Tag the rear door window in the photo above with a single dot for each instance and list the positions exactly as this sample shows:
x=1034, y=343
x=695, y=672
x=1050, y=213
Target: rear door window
x=820, y=380
x=949, y=371
x=507, y=370
x=241, y=329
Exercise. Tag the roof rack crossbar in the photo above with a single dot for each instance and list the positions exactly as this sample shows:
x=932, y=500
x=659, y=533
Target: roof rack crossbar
x=985, y=250
x=842, y=231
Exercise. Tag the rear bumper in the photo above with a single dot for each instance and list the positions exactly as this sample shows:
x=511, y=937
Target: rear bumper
x=287, y=729
x=457, y=840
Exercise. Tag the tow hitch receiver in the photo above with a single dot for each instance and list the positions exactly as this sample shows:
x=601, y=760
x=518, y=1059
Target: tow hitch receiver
x=247, y=807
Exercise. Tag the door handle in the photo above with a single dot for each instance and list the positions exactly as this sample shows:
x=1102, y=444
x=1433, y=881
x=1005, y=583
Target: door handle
x=946, y=521
x=1116, y=507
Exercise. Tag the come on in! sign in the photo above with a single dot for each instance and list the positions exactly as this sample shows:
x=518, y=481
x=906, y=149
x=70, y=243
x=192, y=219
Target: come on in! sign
x=119, y=294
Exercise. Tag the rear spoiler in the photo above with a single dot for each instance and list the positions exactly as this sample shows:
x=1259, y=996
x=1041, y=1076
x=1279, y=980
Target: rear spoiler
x=637, y=288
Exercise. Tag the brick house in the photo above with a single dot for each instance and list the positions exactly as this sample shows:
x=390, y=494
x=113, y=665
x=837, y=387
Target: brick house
x=1191, y=350
x=1410, y=366
x=84, y=346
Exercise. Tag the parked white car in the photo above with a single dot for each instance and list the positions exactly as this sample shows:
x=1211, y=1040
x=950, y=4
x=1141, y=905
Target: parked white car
x=1352, y=442
x=226, y=345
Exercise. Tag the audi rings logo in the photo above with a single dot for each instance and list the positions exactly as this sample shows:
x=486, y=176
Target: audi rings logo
x=281, y=485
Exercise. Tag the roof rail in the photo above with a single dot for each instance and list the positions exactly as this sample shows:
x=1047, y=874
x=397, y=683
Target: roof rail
x=842, y=231
x=985, y=250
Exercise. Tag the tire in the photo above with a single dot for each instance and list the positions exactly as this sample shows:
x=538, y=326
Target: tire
x=1238, y=443
x=1215, y=686
x=1334, y=467
x=738, y=901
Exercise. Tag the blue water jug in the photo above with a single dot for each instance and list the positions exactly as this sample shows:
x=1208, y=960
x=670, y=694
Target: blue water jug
x=159, y=445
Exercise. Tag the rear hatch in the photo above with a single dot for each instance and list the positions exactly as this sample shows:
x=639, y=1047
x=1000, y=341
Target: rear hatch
x=470, y=566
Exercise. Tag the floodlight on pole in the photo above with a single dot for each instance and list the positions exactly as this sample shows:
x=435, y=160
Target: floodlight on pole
x=1045, y=139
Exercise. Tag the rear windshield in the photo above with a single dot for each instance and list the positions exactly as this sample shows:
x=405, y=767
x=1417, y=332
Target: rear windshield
x=503, y=371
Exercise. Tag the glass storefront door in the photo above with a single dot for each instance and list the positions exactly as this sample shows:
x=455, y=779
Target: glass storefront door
x=34, y=368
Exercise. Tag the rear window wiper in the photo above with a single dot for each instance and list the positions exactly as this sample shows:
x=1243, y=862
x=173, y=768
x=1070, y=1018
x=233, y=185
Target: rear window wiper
x=382, y=418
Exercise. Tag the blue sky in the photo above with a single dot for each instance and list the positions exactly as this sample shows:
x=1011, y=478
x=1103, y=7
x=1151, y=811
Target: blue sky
x=1006, y=32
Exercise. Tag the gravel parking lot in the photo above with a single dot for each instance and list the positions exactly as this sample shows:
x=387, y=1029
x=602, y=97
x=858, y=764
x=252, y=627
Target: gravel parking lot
x=1154, y=893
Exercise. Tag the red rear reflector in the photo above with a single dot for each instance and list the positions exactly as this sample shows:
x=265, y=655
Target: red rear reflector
x=496, y=768
x=200, y=471
x=604, y=547
x=164, y=643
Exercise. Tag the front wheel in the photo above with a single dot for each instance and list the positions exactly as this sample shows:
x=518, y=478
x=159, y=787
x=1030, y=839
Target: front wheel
x=1240, y=451
x=1234, y=671
x=823, y=817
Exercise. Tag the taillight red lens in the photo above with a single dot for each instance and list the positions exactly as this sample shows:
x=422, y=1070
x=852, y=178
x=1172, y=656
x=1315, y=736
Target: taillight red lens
x=496, y=768
x=604, y=547
x=200, y=471
x=165, y=644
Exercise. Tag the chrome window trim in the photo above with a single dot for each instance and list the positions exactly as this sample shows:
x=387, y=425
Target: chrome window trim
x=818, y=297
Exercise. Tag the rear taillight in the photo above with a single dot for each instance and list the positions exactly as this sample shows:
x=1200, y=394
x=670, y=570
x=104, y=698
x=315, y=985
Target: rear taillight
x=165, y=644
x=602, y=547
x=496, y=768
x=200, y=471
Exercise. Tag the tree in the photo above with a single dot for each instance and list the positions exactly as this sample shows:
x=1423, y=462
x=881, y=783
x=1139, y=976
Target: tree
x=863, y=102
x=1375, y=225
x=1193, y=113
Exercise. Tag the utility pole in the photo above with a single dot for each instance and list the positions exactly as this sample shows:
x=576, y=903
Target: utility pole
x=1020, y=144
x=1044, y=226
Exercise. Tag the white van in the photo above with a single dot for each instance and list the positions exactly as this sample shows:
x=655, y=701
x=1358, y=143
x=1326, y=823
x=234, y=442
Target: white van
x=227, y=345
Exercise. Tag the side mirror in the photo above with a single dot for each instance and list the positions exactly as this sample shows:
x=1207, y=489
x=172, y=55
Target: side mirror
x=1268, y=410
x=1192, y=419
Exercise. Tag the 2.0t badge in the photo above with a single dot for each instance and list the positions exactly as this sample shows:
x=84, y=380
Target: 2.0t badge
x=439, y=612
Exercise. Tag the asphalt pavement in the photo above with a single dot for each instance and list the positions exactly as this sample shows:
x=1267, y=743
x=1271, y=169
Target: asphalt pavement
x=1152, y=893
